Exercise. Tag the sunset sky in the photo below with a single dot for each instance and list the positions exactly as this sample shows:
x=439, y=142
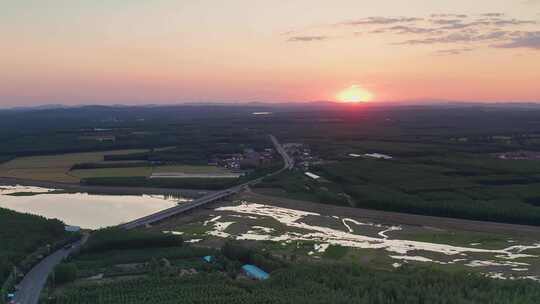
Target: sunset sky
x=165, y=51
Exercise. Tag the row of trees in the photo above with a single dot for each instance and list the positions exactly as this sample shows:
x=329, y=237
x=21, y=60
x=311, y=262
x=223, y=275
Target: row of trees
x=121, y=239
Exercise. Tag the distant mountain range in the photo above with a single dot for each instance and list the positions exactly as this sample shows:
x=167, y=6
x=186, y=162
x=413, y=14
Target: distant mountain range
x=290, y=105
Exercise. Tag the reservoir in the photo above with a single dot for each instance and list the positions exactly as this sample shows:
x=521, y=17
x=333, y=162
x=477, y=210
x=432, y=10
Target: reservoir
x=91, y=211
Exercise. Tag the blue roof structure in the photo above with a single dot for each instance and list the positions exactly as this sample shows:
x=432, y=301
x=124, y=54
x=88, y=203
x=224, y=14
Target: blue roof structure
x=208, y=259
x=255, y=272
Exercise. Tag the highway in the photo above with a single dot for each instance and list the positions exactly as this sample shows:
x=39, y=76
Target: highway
x=207, y=199
x=164, y=214
x=33, y=282
x=289, y=162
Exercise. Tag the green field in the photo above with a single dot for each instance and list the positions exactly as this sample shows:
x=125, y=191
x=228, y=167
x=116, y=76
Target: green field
x=144, y=171
x=53, y=167
x=57, y=168
x=208, y=183
x=112, y=172
x=189, y=169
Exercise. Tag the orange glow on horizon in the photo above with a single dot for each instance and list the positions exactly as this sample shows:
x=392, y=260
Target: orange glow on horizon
x=355, y=94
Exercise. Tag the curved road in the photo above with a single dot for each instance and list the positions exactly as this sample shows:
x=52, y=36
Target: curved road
x=34, y=281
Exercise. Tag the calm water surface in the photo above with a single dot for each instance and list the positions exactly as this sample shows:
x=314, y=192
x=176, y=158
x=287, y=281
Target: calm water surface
x=83, y=209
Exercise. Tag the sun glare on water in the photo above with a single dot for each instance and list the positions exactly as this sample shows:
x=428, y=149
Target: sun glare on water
x=355, y=94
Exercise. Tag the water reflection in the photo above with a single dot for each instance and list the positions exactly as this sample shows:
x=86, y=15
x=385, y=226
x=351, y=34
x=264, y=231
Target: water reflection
x=83, y=209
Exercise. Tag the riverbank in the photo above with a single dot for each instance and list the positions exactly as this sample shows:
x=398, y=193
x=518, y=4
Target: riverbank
x=75, y=187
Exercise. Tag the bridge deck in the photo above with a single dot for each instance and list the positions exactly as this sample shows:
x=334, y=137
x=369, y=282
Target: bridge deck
x=207, y=199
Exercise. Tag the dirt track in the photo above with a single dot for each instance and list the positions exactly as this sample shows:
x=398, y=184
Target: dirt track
x=393, y=218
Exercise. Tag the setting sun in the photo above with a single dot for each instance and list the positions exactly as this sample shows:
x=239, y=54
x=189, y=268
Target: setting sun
x=355, y=94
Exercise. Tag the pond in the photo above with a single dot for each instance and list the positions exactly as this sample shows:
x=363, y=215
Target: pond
x=91, y=211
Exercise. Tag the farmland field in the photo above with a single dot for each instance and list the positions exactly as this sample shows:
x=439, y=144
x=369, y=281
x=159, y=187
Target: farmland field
x=53, y=167
x=189, y=169
x=112, y=172
x=145, y=171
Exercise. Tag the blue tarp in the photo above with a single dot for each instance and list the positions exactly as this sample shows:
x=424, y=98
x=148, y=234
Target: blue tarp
x=208, y=259
x=255, y=272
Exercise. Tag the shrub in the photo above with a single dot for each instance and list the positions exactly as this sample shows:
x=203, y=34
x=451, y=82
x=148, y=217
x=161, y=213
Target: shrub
x=65, y=273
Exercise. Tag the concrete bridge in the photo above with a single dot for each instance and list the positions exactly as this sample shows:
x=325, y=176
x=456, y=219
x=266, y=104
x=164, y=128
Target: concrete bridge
x=210, y=198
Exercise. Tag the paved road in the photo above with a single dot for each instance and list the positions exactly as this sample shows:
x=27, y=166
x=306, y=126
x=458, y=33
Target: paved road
x=289, y=162
x=207, y=199
x=167, y=213
x=34, y=281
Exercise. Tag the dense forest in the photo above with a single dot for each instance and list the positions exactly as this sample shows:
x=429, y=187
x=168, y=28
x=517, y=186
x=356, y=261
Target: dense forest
x=20, y=236
x=468, y=187
x=312, y=284
x=147, y=267
x=178, y=274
